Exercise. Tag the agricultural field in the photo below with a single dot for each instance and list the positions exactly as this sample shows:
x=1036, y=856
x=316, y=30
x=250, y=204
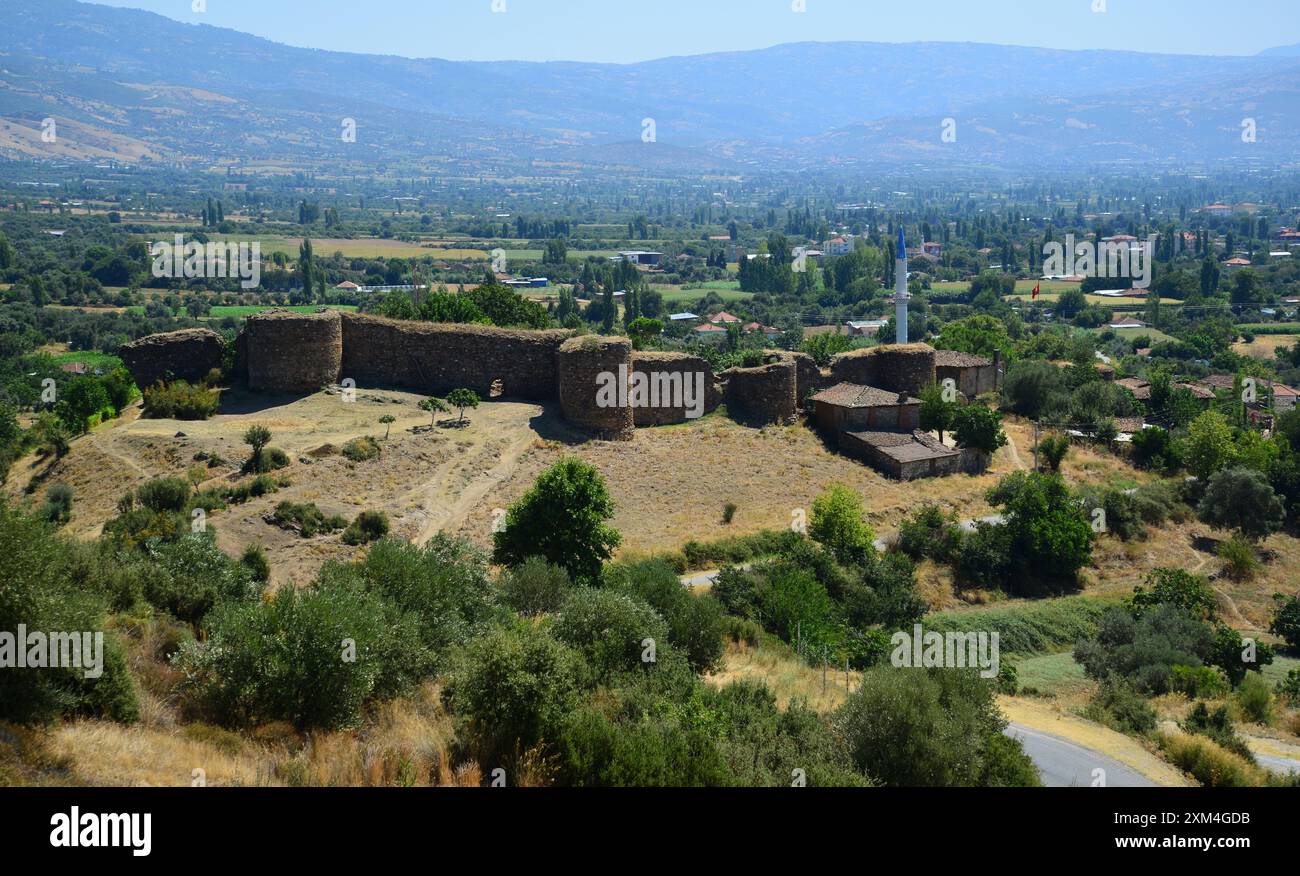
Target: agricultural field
x=1264, y=346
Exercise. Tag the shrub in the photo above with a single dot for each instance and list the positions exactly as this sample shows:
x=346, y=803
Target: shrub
x=261, y=485
x=1289, y=688
x=931, y=728
x=1053, y=449
x=728, y=512
x=1119, y=707
x=1197, y=682
x=1207, y=762
x=305, y=519
x=179, y=400
x=1286, y=620
x=1216, y=725
x=361, y=449
x=367, y=527
x=534, y=587
x=1255, y=699
x=1032, y=628
x=254, y=559
x=1143, y=651
x=58, y=504
x=189, y=576
x=1176, y=587
x=695, y=624
x=39, y=587
x=610, y=630
x=1241, y=560
x=444, y=585
x=513, y=688
x=737, y=548
x=930, y=533
x=165, y=495
x=310, y=657
x=984, y=558
x=267, y=459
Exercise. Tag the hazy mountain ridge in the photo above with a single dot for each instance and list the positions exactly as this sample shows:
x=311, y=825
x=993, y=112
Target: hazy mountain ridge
x=259, y=100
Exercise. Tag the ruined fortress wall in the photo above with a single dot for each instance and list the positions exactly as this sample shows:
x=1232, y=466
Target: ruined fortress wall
x=895, y=367
x=767, y=394
x=808, y=376
x=293, y=352
x=682, y=367
x=581, y=361
x=439, y=357
x=188, y=354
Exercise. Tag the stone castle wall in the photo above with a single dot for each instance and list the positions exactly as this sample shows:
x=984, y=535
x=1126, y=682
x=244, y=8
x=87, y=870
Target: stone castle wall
x=293, y=352
x=188, y=354
x=762, y=395
x=581, y=363
x=288, y=352
x=683, y=368
x=906, y=368
x=439, y=357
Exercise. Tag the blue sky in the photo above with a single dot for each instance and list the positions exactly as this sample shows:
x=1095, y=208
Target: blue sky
x=636, y=30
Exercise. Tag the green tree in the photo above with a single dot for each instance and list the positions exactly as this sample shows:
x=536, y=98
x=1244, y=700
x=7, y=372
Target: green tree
x=561, y=519
x=388, y=420
x=434, y=406
x=82, y=398
x=978, y=428
x=1209, y=445
x=937, y=412
x=837, y=523
x=1241, y=499
x=462, y=399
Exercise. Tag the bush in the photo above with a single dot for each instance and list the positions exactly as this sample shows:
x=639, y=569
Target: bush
x=254, y=559
x=305, y=519
x=262, y=485
x=1286, y=620
x=695, y=624
x=1119, y=707
x=513, y=688
x=984, y=557
x=1241, y=560
x=1198, y=682
x=534, y=587
x=932, y=728
x=1176, y=587
x=58, y=504
x=40, y=587
x=1031, y=628
x=930, y=533
x=728, y=512
x=1144, y=651
x=361, y=449
x=266, y=459
x=1209, y=763
x=1241, y=499
x=292, y=658
x=190, y=576
x=737, y=549
x=179, y=400
x=1289, y=688
x=1255, y=699
x=610, y=630
x=165, y=495
x=369, y=526
x=444, y=585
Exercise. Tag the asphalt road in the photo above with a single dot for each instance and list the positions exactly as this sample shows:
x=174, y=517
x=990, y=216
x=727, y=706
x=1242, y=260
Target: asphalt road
x=1064, y=764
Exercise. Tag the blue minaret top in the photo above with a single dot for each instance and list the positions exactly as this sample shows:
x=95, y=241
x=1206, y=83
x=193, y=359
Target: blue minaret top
x=902, y=245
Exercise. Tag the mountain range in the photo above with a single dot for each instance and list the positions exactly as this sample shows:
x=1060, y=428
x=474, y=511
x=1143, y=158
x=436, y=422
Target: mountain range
x=141, y=88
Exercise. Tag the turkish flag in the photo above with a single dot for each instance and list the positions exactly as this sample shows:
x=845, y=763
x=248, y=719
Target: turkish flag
x=1036, y=288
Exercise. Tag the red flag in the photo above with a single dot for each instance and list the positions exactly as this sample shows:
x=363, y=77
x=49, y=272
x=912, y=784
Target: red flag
x=1035, y=295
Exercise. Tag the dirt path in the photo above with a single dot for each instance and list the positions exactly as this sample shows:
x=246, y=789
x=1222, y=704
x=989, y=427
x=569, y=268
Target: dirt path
x=434, y=494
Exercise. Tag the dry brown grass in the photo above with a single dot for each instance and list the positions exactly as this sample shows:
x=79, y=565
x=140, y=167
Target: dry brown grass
x=1264, y=346
x=786, y=676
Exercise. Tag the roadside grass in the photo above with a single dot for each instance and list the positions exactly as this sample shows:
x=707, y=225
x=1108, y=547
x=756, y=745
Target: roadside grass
x=1028, y=628
x=1050, y=675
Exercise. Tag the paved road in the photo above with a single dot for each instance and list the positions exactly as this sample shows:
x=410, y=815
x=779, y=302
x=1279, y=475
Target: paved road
x=1064, y=764
x=1279, y=765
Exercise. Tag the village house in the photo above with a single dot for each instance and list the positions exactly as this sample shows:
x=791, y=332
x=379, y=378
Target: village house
x=849, y=407
x=904, y=456
x=972, y=375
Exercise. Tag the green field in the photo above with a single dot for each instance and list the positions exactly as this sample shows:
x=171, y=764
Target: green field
x=440, y=248
x=728, y=290
x=92, y=358
x=243, y=310
x=1050, y=674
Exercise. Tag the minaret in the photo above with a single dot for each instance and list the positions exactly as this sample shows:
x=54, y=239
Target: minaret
x=901, y=295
